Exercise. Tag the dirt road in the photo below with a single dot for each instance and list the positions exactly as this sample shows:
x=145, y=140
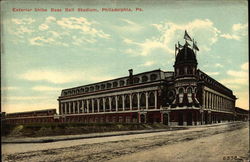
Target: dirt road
x=207, y=143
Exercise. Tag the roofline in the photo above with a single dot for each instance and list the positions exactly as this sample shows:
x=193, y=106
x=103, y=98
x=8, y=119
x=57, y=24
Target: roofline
x=113, y=79
x=30, y=111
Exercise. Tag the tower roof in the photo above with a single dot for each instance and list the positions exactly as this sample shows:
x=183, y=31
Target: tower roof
x=185, y=55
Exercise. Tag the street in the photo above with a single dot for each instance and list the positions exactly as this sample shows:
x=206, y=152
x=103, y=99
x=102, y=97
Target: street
x=222, y=142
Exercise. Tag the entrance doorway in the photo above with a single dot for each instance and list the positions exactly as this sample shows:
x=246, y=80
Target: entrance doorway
x=189, y=118
x=142, y=118
x=180, y=118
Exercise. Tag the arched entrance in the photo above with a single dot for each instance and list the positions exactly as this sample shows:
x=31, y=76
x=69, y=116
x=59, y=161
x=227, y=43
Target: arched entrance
x=180, y=118
x=142, y=118
x=189, y=118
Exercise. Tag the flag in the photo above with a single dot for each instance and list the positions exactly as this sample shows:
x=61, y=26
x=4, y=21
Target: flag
x=187, y=44
x=195, y=46
x=179, y=45
x=176, y=48
x=186, y=36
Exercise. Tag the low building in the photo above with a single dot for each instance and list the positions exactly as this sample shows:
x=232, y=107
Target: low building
x=185, y=96
x=37, y=116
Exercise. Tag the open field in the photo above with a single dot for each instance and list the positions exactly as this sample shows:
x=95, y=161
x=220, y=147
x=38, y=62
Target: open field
x=221, y=142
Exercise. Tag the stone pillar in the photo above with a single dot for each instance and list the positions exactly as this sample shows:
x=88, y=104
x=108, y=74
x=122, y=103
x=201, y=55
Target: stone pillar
x=87, y=106
x=78, y=107
x=65, y=108
x=92, y=102
x=146, y=100
x=207, y=100
x=70, y=107
x=204, y=97
x=130, y=101
x=138, y=101
x=123, y=103
x=155, y=99
x=110, y=106
x=116, y=103
x=98, y=105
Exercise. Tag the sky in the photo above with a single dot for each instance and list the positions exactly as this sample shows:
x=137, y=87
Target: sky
x=45, y=51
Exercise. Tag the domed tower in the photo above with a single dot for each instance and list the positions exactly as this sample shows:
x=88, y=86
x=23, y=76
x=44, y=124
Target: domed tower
x=185, y=83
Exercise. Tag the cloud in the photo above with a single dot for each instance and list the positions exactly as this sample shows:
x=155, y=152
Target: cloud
x=244, y=66
x=82, y=24
x=218, y=65
x=128, y=26
x=45, y=88
x=9, y=88
x=237, y=77
x=73, y=30
x=237, y=32
x=213, y=73
x=203, y=30
x=23, y=21
x=148, y=63
x=60, y=77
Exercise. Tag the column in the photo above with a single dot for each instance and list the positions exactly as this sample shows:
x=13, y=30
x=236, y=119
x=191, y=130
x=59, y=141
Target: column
x=65, y=108
x=204, y=99
x=92, y=105
x=116, y=103
x=207, y=104
x=87, y=106
x=98, y=105
x=70, y=107
x=74, y=107
x=146, y=100
x=138, y=101
x=130, y=101
x=155, y=99
x=61, y=108
x=78, y=107
x=110, y=106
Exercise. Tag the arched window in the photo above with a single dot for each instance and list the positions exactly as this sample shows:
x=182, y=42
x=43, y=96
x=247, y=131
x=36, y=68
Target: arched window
x=122, y=83
x=143, y=100
x=189, y=90
x=144, y=78
x=80, y=107
x=113, y=104
x=87, y=89
x=91, y=89
x=136, y=80
x=71, y=107
x=127, y=102
x=151, y=100
x=97, y=87
x=108, y=85
x=181, y=90
x=103, y=86
x=115, y=84
x=134, y=101
x=107, y=108
x=119, y=102
x=153, y=77
x=90, y=105
x=95, y=105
